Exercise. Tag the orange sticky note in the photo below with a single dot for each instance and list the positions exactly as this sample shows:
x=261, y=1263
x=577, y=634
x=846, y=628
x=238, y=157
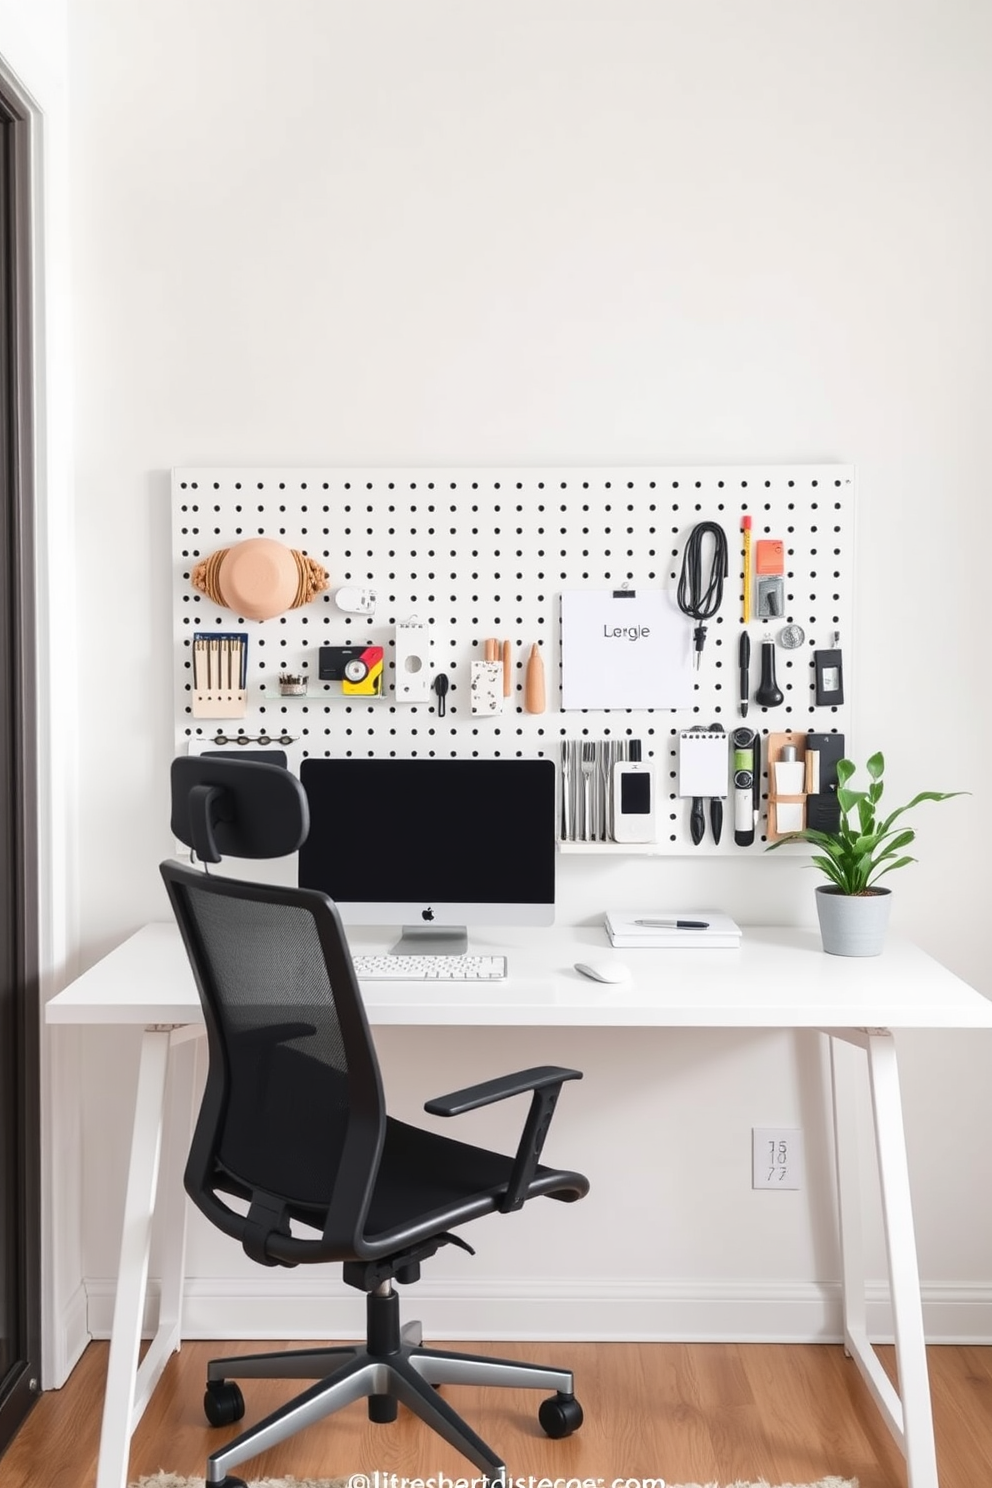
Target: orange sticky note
x=769, y=556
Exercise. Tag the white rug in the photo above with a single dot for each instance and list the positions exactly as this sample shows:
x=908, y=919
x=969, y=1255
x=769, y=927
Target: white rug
x=170, y=1480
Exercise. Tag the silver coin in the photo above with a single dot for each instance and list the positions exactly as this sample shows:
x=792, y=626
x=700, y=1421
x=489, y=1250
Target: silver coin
x=791, y=637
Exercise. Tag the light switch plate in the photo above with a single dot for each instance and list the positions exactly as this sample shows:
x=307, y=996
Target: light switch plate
x=777, y=1157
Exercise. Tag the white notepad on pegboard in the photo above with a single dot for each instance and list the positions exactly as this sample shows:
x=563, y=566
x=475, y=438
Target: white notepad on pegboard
x=704, y=763
x=623, y=648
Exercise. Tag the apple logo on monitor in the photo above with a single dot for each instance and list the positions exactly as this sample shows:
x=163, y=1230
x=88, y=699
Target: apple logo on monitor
x=427, y=914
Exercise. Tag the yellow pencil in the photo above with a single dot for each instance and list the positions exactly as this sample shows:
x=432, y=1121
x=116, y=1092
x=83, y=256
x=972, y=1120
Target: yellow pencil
x=746, y=525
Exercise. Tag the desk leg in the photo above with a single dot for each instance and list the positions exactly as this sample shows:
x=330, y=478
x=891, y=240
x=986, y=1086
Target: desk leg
x=904, y=1273
x=844, y=1066
x=908, y=1413
x=169, y=1218
x=132, y=1274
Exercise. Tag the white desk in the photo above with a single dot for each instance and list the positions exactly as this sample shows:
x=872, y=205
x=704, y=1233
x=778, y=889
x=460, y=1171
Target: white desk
x=778, y=979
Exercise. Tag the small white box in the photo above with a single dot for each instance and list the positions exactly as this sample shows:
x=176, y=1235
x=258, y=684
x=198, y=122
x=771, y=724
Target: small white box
x=790, y=777
x=790, y=816
x=486, y=686
x=413, y=668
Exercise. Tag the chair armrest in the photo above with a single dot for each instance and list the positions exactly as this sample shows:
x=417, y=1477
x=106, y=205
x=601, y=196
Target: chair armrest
x=490, y=1091
x=545, y=1081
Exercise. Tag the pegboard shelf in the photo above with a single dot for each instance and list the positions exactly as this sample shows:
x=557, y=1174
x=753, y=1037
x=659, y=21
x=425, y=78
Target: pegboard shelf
x=613, y=849
x=488, y=552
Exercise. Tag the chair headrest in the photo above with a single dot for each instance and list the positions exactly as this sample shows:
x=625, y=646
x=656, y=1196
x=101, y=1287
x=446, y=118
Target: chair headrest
x=241, y=808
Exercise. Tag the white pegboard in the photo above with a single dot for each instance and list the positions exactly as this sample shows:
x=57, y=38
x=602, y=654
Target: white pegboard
x=481, y=553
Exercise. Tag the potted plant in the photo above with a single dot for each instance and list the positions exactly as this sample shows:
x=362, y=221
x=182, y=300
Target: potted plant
x=852, y=909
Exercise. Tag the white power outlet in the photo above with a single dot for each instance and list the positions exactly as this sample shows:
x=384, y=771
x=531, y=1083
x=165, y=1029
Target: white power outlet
x=777, y=1157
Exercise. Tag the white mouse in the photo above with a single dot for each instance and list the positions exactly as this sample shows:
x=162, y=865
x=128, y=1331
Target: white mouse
x=604, y=971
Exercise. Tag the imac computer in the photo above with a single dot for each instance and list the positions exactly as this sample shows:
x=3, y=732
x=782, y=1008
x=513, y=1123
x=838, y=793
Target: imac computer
x=432, y=845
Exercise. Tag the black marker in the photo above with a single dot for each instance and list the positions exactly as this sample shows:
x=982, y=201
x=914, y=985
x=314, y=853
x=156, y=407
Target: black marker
x=744, y=662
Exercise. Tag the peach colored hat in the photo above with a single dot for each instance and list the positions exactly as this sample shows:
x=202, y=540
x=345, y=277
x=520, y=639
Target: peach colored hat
x=259, y=578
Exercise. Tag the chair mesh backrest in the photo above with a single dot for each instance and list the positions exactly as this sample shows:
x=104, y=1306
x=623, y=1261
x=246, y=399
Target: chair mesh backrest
x=279, y=1040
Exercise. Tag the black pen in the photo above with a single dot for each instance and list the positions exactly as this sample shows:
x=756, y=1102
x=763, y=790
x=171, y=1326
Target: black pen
x=675, y=924
x=716, y=802
x=744, y=662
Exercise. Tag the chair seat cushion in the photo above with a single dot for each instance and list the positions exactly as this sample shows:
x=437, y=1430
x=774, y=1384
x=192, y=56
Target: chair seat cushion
x=427, y=1182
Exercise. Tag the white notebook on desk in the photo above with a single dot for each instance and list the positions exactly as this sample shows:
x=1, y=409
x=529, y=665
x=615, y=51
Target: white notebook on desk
x=705, y=929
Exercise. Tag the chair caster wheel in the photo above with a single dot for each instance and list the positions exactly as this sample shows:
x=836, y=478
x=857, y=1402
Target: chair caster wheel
x=223, y=1404
x=231, y=1482
x=560, y=1415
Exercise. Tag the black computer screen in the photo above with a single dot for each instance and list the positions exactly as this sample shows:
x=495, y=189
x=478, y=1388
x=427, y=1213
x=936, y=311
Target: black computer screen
x=469, y=840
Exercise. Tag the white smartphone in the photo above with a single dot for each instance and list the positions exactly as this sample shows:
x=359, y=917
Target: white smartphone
x=633, y=801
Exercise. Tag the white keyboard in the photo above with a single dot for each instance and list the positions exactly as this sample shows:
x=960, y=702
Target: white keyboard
x=430, y=968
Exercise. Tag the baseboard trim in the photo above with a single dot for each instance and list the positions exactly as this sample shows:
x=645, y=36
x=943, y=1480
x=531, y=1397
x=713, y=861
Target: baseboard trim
x=739, y=1311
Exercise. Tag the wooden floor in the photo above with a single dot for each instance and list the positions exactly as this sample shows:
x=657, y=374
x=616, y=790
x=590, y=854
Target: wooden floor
x=696, y=1413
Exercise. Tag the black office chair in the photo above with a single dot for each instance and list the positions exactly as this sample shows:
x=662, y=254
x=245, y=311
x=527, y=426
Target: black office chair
x=293, y=1153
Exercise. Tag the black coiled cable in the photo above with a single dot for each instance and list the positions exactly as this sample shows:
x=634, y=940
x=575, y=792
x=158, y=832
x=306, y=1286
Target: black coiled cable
x=694, y=600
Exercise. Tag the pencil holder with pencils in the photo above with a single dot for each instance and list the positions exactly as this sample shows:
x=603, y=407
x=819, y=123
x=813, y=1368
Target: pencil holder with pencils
x=220, y=673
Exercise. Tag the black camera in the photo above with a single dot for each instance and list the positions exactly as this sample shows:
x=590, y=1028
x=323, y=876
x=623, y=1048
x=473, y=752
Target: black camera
x=357, y=668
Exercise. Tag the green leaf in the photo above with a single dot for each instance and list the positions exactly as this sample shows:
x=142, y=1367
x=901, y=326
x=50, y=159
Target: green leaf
x=899, y=863
x=876, y=766
x=923, y=796
x=830, y=868
x=901, y=840
x=845, y=769
x=808, y=834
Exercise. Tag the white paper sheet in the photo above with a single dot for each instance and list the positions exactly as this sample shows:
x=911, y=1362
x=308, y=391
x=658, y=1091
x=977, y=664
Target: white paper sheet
x=704, y=763
x=631, y=651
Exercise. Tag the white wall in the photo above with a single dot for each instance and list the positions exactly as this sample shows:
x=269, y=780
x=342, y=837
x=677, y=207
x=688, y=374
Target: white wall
x=560, y=231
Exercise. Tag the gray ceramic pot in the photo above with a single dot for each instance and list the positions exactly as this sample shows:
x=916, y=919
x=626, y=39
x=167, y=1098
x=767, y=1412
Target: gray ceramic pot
x=853, y=924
